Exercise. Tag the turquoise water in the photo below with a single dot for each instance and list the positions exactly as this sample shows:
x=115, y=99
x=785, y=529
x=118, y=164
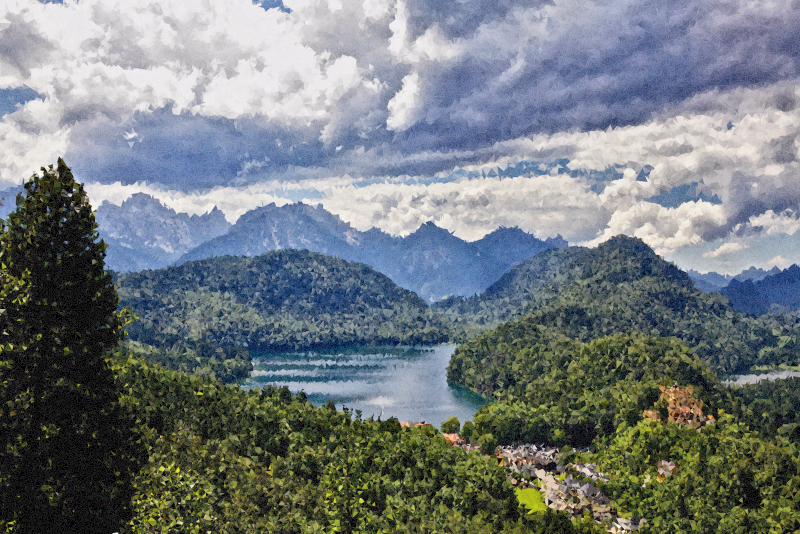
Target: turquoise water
x=406, y=382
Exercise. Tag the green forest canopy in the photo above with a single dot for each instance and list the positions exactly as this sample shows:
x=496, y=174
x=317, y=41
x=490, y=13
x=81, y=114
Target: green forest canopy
x=215, y=458
x=623, y=286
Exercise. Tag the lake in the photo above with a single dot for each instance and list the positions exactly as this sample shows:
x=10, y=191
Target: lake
x=406, y=382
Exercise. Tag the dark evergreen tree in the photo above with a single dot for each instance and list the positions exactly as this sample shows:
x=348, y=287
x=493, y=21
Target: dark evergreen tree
x=66, y=451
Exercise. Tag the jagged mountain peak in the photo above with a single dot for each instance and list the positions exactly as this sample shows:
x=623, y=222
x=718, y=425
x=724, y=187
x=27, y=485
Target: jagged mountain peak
x=143, y=233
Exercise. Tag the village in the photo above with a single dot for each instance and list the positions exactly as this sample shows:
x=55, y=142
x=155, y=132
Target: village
x=535, y=471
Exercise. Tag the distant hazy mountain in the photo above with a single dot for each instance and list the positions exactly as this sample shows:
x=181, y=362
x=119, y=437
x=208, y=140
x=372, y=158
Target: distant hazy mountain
x=712, y=281
x=775, y=293
x=709, y=281
x=755, y=274
x=145, y=234
x=431, y=261
x=434, y=263
x=512, y=246
x=293, y=226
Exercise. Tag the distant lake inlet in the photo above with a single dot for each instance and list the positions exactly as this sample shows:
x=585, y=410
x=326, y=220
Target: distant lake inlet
x=405, y=382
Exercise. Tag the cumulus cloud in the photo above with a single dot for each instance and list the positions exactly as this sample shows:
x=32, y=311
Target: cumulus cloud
x=727, y=248
x=778, y=261
x=769, y=223
x=374, y=107
x=542, y=205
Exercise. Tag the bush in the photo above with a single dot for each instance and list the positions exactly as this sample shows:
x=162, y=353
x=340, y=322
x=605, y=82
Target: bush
x=488, y=443
x=451, y=426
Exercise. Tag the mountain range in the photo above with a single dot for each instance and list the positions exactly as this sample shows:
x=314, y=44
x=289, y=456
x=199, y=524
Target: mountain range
x=712, y=281
x=143, y=234
x=778, y=293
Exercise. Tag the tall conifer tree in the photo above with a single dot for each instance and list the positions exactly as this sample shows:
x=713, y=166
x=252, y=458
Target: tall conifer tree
x=65, y=449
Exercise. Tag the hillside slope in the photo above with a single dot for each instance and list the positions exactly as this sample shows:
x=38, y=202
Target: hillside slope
x=286, y=299
x=514, y=293
x=623, y=286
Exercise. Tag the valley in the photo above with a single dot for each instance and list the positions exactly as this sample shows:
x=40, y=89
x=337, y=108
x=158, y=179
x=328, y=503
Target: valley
x=263, y=393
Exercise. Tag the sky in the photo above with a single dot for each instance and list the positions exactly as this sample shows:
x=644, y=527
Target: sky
x=676, y=122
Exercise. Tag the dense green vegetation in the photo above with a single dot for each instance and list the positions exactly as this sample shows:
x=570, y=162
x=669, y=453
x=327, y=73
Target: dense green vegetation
x=201, y=315
x=66, y=449
x=225, y=460
x=228, y=364
x=770, y=407
x=738, y=473
x=588, y=359
x=727, y=479
x=557, y=391
x=96, y=439
x=623, y=286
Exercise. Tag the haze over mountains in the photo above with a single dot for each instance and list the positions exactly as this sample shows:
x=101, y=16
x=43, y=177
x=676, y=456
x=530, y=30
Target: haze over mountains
x=712, y=281
x=144, y=234
x=777, y=293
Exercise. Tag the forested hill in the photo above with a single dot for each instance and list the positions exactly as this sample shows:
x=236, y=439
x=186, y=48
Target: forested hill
x=517, y=290
x=623, y=286
x=287, y=299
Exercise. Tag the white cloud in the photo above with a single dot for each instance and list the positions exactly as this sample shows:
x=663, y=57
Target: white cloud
x=407, y=87
x=770, y=223
x=543, y=205
x=778, y=261
x=725, y=249
x=664, y=229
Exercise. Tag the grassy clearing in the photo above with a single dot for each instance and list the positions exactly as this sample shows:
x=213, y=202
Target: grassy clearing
x=532, y=499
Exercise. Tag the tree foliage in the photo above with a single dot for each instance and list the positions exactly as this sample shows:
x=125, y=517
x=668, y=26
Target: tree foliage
x=623, y=286
x=66, y=452
x=561, y=392
x=769, y=407
x=725, y=478
x=226, y=460
x=451, y=426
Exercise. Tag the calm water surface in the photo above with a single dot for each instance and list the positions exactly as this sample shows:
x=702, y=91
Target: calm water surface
x=406, y=382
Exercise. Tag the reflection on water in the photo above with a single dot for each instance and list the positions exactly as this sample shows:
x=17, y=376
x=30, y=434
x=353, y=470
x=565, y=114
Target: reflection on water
x=406, y=382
